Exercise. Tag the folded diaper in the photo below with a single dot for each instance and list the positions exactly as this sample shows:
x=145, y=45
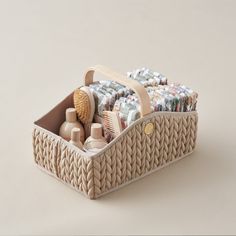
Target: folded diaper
x=112, y=96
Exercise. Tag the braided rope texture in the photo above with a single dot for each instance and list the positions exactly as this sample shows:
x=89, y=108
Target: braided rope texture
x=132, y=156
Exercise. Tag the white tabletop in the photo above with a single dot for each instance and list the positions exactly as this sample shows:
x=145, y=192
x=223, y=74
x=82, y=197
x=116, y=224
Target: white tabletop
x=45, y=46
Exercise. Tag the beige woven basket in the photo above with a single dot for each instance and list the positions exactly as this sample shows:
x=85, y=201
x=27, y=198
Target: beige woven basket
x=137, y=152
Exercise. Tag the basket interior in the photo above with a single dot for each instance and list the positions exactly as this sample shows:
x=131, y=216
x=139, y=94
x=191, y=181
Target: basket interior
x=54, y=118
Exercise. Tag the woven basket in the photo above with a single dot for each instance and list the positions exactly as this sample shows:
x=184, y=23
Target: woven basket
x=132, y=155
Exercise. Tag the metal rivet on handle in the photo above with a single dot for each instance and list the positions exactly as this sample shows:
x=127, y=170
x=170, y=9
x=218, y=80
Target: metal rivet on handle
x=149, y=128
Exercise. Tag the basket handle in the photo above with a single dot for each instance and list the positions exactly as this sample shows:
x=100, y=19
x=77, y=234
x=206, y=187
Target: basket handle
x=140, y=91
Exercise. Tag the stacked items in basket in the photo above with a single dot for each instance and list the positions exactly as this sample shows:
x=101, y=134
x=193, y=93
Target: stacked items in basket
x=102, y=110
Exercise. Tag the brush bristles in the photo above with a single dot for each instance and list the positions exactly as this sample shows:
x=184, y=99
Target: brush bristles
x=111, y=122
x=82, y=105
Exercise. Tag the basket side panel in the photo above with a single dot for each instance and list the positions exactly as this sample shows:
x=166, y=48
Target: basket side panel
x=75, y=169
x=135, y=153
x=45, y=150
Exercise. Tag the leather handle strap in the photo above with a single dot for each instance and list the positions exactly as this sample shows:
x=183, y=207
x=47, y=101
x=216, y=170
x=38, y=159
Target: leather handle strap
x=140, y=91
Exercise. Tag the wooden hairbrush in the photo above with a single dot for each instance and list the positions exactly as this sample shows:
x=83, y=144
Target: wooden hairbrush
x=85, y=106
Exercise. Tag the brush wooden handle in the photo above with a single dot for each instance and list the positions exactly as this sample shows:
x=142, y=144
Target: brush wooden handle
x=140, y=91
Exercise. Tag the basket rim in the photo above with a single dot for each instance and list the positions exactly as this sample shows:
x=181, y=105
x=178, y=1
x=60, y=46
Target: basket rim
x=88, y=155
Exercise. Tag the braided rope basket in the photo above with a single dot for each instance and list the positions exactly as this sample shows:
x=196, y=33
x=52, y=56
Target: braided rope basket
x=132, y=155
